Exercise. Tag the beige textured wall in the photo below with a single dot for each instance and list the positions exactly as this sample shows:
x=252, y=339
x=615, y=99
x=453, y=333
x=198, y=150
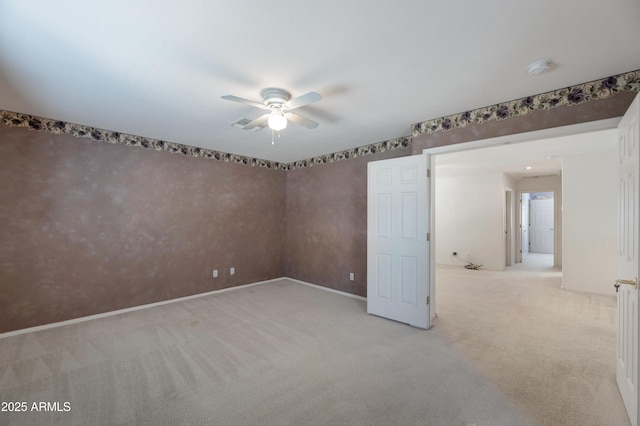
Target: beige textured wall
x=89, y=227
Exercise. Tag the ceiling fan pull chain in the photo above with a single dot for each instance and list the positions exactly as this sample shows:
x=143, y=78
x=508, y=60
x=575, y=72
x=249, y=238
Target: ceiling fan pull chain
x=273, y=137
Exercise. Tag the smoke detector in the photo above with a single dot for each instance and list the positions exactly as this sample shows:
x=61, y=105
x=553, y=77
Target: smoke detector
x=539, y=67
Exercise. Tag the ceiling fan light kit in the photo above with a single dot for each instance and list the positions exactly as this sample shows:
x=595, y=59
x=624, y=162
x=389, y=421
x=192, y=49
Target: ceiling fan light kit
x=279, y=103
x=277, y=121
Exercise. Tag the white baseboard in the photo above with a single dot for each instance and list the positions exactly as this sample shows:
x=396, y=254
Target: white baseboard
x=343, y=293
x=165, y=302
x=132, y=309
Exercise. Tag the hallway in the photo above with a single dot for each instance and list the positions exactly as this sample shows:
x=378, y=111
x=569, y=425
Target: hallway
x=535, y=262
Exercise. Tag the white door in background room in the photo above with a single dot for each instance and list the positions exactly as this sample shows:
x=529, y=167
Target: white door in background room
x=628, y=328
x=398, y=267
x=541, y=225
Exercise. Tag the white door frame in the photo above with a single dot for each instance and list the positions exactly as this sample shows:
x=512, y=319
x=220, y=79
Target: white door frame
x=522, y=239
x=591, y=126
x=508, y=225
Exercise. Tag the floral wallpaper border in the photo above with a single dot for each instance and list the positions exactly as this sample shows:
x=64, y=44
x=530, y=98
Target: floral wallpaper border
x=573, y=95
x=31, y=122
x=60, y=127
x=388, y=145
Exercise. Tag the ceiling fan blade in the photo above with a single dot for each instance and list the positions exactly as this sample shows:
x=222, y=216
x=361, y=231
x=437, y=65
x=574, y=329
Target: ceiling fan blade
x=245, y=101
x=303, y=100
x=260, y=121
x=303, y=121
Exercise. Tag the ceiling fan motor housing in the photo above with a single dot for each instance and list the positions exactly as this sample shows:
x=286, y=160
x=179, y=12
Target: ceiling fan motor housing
x=273, y=96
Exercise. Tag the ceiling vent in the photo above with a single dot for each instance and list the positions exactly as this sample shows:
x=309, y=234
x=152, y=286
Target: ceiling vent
x=242, y=123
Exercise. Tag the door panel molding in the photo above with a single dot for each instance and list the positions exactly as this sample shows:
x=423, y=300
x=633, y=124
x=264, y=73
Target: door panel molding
x=398, y=261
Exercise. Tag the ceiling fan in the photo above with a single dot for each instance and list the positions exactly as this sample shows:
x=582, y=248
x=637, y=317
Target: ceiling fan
x=280, y=104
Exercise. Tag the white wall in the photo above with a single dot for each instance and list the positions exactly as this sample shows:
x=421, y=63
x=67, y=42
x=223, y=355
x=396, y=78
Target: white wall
x=589, y=217
x=470, y=219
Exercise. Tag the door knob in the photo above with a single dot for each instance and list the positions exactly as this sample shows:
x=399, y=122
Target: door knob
x=633, y=282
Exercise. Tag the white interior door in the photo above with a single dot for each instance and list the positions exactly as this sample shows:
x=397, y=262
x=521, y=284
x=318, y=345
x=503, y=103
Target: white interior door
x=397, y=247
x=541, y=226
x=628, y=324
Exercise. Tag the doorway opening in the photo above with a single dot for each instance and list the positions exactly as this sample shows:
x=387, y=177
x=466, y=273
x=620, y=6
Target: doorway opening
x=537, y=229
x=483, y=177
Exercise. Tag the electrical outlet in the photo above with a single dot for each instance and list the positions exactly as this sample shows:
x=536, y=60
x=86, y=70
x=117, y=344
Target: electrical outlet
x=232, y=271
x=215, y=273
x=351, y=276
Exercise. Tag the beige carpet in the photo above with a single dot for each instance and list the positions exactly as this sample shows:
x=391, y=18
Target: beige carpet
x=550, y=351
x=503, y=351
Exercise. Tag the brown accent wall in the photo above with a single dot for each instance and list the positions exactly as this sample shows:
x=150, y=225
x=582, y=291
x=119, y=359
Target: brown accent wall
x=326, y=230
x=89, y=227
x=565, y=115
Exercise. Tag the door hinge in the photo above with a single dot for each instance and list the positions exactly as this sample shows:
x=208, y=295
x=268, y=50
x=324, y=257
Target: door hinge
x=428, y=300
x=428, y=173
x=428, y=236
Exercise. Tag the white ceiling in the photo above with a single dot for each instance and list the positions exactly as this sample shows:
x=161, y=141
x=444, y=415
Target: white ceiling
x=157, y=68
x=543, y=156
